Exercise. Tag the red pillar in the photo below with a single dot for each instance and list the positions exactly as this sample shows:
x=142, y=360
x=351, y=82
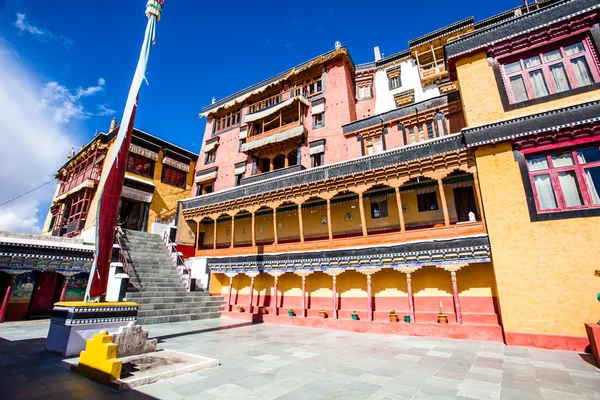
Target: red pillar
x=411, y=305
x=275, y=297
x=63, y=293
x=304, y=296
x=457, y=309
x=335, y=314
x=251, y=293
x=7, y=295
x=369, y=299
x=229, y=295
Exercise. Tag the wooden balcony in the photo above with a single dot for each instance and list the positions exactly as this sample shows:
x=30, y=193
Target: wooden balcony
x=274, y=131
x=92, y=173
x=388, y=238
x=431, y=72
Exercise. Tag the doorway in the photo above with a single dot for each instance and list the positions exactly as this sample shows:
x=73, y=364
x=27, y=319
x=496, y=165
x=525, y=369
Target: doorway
x=133, y=214
x=45, y=292
x=464, y=200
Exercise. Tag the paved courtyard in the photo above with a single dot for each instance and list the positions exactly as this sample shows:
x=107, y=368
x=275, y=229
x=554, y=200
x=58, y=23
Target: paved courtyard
x=269, y=361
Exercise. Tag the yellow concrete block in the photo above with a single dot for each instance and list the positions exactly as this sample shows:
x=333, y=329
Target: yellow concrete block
x=99, y=359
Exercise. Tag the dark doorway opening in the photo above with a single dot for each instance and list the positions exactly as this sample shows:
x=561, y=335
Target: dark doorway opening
x=465, y=203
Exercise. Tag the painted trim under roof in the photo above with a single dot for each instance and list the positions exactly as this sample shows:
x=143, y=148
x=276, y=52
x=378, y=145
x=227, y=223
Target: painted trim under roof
x=430, y=148
x=514, y=27
x=533, y=124
x=268, y=81
x=397, y=113
x=446, y=30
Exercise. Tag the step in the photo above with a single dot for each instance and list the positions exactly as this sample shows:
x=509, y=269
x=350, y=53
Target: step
x=171, y=293
x=168, y=299
x=186, y=306
x=176, y=318
x=178, y=311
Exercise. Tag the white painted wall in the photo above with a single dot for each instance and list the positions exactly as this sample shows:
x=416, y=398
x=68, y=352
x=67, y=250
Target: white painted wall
x=410, y=79
x=198, y=267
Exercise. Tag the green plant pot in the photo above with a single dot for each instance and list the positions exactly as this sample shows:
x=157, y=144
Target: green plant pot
x=407, y=318
x=291, y=313
x=355, y=317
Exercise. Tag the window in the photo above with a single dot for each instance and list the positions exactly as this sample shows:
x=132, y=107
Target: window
x=238, y=179
x=242, y=141
x=173, y=176
x=310, y=87
x=210, y=156
x=427, y=201
x=226, y=121
x=373, y=145
x=379, y=207
x=394, y=78
x=319, y=120
x=364, y=90
x=566, y=180
x=204, y=189
x=550, y=71
x=317, y=160
x=140, y=165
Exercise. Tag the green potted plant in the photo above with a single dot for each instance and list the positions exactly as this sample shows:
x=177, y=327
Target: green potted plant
x=291, y=312
x=355, y=315
x=393, y=316
x=322, y=313
x=442, y=318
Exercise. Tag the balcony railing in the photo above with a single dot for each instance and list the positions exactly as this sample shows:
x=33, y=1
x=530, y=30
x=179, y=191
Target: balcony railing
x=92, y=173
x=388, y=238
x=274, y=131
x=431, y=71
x=265, y=103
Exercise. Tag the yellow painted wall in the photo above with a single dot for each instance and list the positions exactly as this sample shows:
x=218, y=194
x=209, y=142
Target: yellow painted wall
x=544, y=270
x=475, y=280
x=481, y=97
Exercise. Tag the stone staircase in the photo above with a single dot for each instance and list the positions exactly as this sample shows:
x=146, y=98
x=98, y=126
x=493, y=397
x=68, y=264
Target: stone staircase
x=157, y=286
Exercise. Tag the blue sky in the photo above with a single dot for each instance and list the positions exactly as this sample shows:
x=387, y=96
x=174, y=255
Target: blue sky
x=69, y=64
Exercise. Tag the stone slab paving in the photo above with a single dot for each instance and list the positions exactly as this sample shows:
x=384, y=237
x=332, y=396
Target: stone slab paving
x=278, y=362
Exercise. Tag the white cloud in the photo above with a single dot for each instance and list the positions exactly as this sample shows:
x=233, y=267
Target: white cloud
x=43, y=35
x=34, y=144
x=104, y=111
x=65, y=105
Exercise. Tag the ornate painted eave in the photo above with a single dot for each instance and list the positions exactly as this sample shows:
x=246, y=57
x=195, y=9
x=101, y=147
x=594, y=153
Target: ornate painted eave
x=398, y=113
x=429, y=150
x=474, y=249
x=445, y=31
x=533, y=124
x=518, y=26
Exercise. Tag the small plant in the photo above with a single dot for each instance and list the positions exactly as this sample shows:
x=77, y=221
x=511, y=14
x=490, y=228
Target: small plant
x=392, y=312
x=355, y=312
x=291, y=312
x=393, y=316
x=355, y=315
x=322, y=310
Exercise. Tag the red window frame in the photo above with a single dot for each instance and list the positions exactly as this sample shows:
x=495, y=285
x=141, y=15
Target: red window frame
x=553, y=172
x=589, y=53
x=173, y=176
x=140, y=165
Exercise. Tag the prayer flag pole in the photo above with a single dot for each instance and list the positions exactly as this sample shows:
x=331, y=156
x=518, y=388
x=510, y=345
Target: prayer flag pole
x=112, y=183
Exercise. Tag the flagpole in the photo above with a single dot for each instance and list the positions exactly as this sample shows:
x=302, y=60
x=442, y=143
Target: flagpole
x=111, y=184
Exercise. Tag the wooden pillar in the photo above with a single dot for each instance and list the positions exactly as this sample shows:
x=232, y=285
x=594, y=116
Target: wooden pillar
x=251, y=293
x=334, y=298
x=369, y=298
x=411, y=304
x=329, y=228
x=304, y=296
x=253, y=229
x=275, y=295
x=63, y=293
x=215, y=235
x=197, y=236
x=271, y=163
x=232, y=231
x=229, y=293
x=457, y=309
x=300, y=223
x=444, y=204
x=363, y=220
x=286, y=163
x=275, y=241
x=7, y=295
x=478, y=194
x=400, y=211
